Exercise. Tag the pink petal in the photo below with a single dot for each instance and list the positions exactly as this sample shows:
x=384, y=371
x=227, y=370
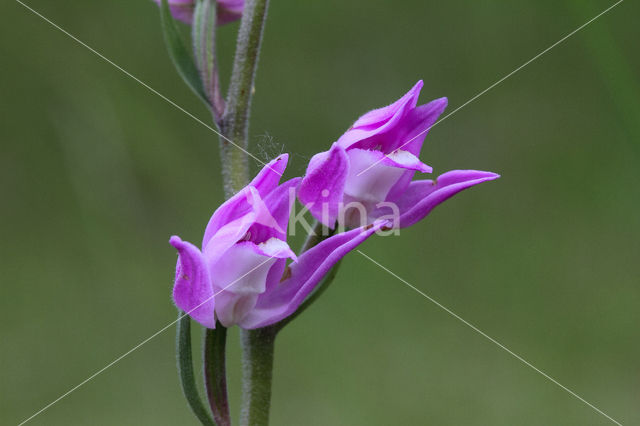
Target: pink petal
x=275, y=209
x=276, y=248
x=380, y=115
x=227, y=236
x=192, y=291
x=181, y=10
x=401, y=186
x=416, y=126
x=381, y=120
x=231, y=307
x=243, y=269
x=238, y=205
x=241, y=275
x=285, y=297
x=230, y=211
x=229, y=11
x=267, y=218
x=372, y=174
x=406, y=160
x=322, y=187
x=423, y=196
x=269, y=177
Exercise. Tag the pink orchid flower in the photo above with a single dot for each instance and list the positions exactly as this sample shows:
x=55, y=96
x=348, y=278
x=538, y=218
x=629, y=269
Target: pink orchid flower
x=240, y=276
x=373, y=165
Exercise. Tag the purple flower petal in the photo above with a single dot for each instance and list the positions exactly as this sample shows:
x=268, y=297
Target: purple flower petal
x=269, y=177
x=380, y=121
x=277, y=206
x=380, y=115
x=400, y=186
x=322, y=187
x=244, y=268
x=241, y=275
x=370, y=178
x=227, y=236
x=192, y=291
x=424, y=195
x=238, y=205
x=416, y=126
x=275, y=248
x=405, y=160
x=373, y=176
x=233, y=307
x=181, y=10
x=227, y=10
x=285, y=297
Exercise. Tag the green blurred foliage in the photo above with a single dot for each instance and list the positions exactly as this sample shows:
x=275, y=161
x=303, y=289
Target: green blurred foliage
x=97, y=172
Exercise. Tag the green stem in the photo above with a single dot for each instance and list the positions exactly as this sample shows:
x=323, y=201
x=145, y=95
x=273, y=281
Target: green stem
x=257, y=369
x=258, y=345
x=215, y=378
x=235, y=120
x=185, y=370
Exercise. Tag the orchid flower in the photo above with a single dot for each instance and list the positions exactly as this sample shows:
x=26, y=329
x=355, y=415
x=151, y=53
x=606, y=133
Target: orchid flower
x=227, y=10
x=373, y=164
x=240, y=276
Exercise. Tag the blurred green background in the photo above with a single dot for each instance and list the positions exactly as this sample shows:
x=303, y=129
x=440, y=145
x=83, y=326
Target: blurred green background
x=97, y=172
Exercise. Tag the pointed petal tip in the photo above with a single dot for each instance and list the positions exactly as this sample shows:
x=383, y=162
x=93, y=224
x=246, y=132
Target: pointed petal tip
x=486, y=176
x=282, y=157
x=278, y=164
x=456, y=176
x=425, y=168
x=176, y=241
x=414, y=92
x=435, y=107
x=444, y=101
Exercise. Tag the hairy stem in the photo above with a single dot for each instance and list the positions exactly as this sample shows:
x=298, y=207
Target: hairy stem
x=257, y=369
x=257, y=345
x=235, y=120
